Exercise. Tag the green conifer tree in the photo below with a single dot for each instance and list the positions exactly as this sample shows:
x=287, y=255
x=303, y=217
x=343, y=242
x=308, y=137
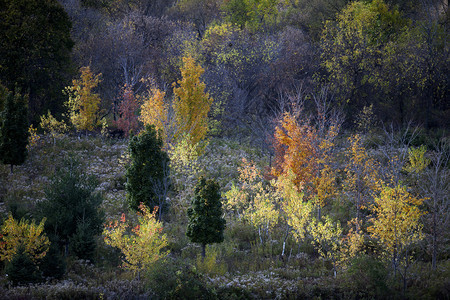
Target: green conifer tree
x=206, y=224
x=21, y=269
x=148, y=167
x=14, y=130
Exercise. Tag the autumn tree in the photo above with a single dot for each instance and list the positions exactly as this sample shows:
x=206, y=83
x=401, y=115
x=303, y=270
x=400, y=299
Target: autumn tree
x=206, y=223
x=254, y=200
x=362, y=180
x=353, y=48
x=128, y=112
x=26, y=234
x=395, y=223
x=14, y=130
x=148, y=166
x=154, y=111
x=84, y=104
x=327, y=239
x=52, y=126
x=303, y=153
x=191, y=103
x=142, y=245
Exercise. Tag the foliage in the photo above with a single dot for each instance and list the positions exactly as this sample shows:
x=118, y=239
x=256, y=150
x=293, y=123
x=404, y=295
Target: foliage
x=353, y=47
x=128, y=108
x=154, y=111
x=51, y=126
x=28, y=235
x=362, y=180
x=141, y=245
x=327, y=239
x=71, y=203
x=176, y=279
x=33, y=137
x=83, y=104
x=253, y=14
x=191, y=104
x=14, y=130
x=148, y=168
x=254, y=200
x=21, y=269
x=396, y=222
x=206, y=224
x=37, y=63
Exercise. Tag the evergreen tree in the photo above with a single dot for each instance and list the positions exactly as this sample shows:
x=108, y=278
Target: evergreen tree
x=148, y=165
x=14, y=130
x=206, y=224
x=35, y=47
x=21, y=269
x=70, y=205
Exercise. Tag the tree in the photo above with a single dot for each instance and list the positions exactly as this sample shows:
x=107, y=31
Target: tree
x=14, y=130
x=29, y=235
x=71, y=205
x=51, y=126
x=191, y=104
x=154, y=111
x=128, y=108
x=141, y=245
x=21, y=269
x=254, y=200
x=396, y=224
x=353, y=48
x=38, y=63
x=206, y=223
x=362, y=178
x=83, y=103
x=148, y=166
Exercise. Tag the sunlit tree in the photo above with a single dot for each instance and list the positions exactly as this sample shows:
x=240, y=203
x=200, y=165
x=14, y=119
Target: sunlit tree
x=84, y=104
x=143, y=244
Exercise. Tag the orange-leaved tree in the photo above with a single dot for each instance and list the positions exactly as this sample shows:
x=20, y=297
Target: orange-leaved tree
x=191, y=103
x=142, y=244
x=83, y=103
x=306, y=152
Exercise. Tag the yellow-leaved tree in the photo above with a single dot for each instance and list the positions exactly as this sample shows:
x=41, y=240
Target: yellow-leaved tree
x=362, y=179
x=52, y=126
x=254, y=200
x=155, y=112
x=83, y=103
x=142, y=244
x=396, y=223
x=28, y=234
x=191, y=103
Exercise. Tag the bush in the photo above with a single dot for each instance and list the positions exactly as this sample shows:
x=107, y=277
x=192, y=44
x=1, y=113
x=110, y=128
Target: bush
x=177, y=280
x=366, y=276
x=21, y=269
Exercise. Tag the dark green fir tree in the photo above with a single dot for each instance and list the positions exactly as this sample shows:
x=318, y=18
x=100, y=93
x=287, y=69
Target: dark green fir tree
x=21, y=269
x=148, y=168
x=206, y=223
x=14, y=130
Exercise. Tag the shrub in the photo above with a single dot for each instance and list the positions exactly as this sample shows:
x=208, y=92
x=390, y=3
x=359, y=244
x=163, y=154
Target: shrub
x=21, y=269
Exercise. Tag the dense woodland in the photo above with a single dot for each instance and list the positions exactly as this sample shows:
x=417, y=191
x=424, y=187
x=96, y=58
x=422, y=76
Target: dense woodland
x=224, y=149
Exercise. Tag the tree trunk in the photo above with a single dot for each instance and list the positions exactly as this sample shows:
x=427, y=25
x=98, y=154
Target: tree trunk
x=203, y=251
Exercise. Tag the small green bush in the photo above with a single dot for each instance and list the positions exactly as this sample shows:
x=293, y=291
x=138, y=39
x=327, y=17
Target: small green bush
x=21, y=269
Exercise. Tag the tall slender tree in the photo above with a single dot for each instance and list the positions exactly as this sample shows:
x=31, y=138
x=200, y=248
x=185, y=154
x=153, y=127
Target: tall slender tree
x=14, y=130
